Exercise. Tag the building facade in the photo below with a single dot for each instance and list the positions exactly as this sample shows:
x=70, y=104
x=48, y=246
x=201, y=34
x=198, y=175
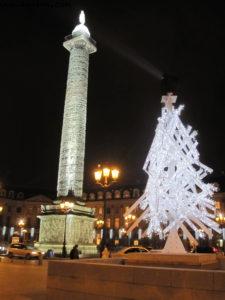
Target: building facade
x=118, y=201
x=18, y=215
x=16, y=206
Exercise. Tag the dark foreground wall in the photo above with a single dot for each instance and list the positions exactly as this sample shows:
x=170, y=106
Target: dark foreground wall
x=96, y=280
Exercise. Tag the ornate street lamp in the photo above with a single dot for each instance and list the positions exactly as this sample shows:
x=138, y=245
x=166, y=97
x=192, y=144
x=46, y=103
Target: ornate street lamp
x=99, y=223
x=129, y=218
x=220, y=218
x=65, y=207
x=105, y=176
x=21, y=224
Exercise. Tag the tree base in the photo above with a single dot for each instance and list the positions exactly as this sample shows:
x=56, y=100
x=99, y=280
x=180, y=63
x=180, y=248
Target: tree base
x=174, y=243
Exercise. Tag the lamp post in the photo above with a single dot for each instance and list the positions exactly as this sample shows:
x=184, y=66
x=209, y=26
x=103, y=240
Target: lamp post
x=65, y=207
x=99, y=223
x=21, y=224
x=220, y=219
x=128, y=219
x=105, y=176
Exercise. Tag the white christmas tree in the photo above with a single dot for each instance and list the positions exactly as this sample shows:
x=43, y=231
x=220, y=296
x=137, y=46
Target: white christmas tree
x=175, y=195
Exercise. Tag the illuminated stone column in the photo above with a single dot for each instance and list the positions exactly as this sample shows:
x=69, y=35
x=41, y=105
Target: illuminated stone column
x=72, y=150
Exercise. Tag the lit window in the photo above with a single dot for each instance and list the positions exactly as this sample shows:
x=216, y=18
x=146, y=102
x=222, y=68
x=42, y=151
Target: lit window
x=217, y=205
x=108, y=223
x=117, y=223
x=117, y=194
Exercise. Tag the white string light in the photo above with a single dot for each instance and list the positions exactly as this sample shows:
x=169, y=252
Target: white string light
x=175, y=194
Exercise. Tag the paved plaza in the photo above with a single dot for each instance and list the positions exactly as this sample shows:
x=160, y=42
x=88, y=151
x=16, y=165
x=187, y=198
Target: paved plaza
x=22, y=280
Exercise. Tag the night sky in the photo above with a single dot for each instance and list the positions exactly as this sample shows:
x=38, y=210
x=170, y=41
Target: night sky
x=136, y=45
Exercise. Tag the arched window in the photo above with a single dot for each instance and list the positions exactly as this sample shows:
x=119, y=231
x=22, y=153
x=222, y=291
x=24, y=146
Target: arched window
x=126, y=194
x=108, y=195
x=136, y=193
x=100, y=195
x=84, y=196
x=2, y=193
x=11, y=195
x=117, y=194
x=20, y=195
x=91, y=196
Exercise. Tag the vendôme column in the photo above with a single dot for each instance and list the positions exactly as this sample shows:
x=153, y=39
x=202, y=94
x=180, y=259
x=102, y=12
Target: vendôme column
x=72, y=149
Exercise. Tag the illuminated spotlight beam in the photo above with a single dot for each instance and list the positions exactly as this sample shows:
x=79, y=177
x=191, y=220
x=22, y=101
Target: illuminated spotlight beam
x=132, y=56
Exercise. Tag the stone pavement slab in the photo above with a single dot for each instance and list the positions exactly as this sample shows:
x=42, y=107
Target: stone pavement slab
x=21, y=280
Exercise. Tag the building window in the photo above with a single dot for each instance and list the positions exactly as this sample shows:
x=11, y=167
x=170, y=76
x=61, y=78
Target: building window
x=117, y=223
x=100, y=210
x=108, y=195
x=108, y=210
x=136, y=193
x=84, y=197
x=117, y=194
x=108, y=223
x=91, y=196
x=20, y=195
x=100, y=195
x=217, y=205
x=126, y=194
x=9, y=209
x=11, y=195
x=19, y=209
x=2, y=193
x=126, y=208
x=34, y=209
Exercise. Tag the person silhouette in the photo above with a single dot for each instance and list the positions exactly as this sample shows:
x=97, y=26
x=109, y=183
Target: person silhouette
x=74, y=253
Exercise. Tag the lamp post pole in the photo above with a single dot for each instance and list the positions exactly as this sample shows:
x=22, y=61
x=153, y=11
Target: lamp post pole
x=104, y=232
x=21, y=225
x=220, y=219
x=64, y=252
x=128, y=219
x=65, y=207
x=105, y=177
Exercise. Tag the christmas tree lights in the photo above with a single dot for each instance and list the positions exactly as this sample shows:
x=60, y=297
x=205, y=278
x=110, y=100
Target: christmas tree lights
x=175, y=195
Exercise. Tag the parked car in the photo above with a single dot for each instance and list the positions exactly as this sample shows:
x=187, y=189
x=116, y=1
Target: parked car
x=206, y=249
x=3, y=249
x=22, y=250
x=127, y=251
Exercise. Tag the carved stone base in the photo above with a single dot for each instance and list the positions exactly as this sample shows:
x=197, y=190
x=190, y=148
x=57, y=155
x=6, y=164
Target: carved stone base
x=76, y=227
x=86, y=250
